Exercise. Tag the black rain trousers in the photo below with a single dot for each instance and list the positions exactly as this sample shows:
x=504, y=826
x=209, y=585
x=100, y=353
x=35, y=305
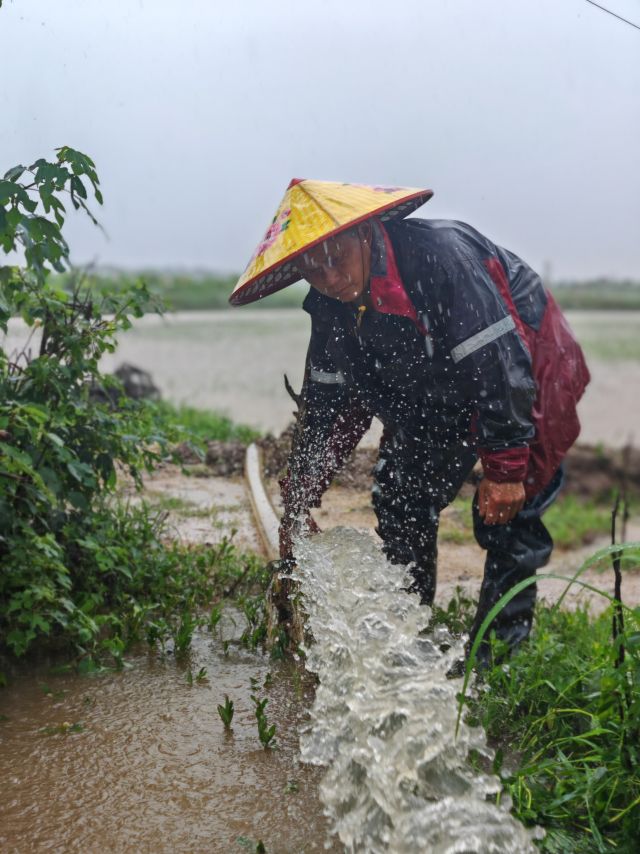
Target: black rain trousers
x=413, y=482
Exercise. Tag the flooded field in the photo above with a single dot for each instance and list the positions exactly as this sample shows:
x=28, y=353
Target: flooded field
x=232, y=361
x=235, y=361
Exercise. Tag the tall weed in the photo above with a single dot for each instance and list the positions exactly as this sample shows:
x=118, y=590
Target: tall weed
x=565, y=712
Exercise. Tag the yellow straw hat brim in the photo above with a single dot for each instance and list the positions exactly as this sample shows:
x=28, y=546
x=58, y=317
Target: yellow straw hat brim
x=311, y=212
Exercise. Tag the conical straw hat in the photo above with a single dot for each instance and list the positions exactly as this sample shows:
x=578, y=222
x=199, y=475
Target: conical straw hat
x=310, y=212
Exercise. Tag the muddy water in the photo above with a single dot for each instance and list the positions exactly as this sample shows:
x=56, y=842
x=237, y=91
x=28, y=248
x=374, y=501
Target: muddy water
x=139, y=760
x=226, y=360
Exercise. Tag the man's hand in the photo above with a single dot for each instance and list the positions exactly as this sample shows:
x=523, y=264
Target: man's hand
x=498, y=503
x=291, y=526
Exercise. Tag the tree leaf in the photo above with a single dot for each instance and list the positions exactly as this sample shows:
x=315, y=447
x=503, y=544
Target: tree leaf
x=14, y=173
x=78, y=187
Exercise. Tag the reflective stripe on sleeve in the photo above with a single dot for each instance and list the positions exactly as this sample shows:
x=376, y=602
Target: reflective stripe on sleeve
x=480, y=339
x=326, y=377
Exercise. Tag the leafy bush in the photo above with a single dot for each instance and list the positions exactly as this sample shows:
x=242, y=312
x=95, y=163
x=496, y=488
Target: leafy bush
x=110, y=579
x=78, y=568
x=59, y=450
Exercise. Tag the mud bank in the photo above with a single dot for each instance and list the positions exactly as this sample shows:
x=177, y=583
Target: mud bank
x=210, y=507
x=591, y=471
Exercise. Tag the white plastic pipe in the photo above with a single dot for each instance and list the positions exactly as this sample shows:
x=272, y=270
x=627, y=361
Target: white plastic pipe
x=266, y=520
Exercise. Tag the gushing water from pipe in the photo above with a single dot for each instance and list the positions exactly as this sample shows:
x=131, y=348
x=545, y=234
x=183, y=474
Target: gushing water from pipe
x=383, y=721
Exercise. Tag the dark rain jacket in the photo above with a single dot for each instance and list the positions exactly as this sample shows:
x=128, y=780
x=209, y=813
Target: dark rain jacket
x=465, y=345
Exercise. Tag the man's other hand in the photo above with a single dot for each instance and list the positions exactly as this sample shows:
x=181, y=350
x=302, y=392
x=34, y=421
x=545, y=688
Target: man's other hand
x=498, y=503
x=292, y=526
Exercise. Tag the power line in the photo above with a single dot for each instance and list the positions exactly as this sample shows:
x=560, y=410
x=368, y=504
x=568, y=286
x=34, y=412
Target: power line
x=619, y=17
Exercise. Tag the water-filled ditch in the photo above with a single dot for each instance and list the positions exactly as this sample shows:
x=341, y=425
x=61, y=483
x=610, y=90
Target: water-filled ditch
x=139, y=760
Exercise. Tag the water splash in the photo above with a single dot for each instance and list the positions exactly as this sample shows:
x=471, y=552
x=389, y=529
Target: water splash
x=383, y=720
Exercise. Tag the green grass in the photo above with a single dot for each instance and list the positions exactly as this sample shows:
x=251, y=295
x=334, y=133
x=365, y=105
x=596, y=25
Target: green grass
x=609, y=339
x=179, y=506
x=170, y=503
x=563, y=716
x=456, y=526
x=598, y=294
x=566, y=724
x=184, y=291
x=196, y=291
x=573, y=523
x=201, y=425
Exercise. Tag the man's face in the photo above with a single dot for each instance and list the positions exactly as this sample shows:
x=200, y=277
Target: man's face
x=337, y=267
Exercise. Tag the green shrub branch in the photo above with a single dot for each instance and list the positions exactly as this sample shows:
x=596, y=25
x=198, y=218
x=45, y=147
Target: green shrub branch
x=80, y=569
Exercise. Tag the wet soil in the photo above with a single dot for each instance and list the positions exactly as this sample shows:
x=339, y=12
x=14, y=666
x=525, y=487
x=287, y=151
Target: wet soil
x=139, y=760
x=348, y=503
x=591, y=471
x=461, y=564
x=202, y=508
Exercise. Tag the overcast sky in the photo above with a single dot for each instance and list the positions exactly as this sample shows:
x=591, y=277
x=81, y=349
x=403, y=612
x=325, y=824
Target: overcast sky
x=522, y=115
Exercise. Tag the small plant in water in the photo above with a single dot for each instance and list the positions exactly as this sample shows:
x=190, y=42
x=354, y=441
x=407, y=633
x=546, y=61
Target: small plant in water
x=281, y=644
x=200, y=678
x=184, y=632
x=226, y=712
x=253, y=608
x=49, y=692
x=249, y=845
x=266, y=733
x=62, y=729
x=214, y=617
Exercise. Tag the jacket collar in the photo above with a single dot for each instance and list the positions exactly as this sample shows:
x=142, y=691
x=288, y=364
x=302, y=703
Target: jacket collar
x=388, y=294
